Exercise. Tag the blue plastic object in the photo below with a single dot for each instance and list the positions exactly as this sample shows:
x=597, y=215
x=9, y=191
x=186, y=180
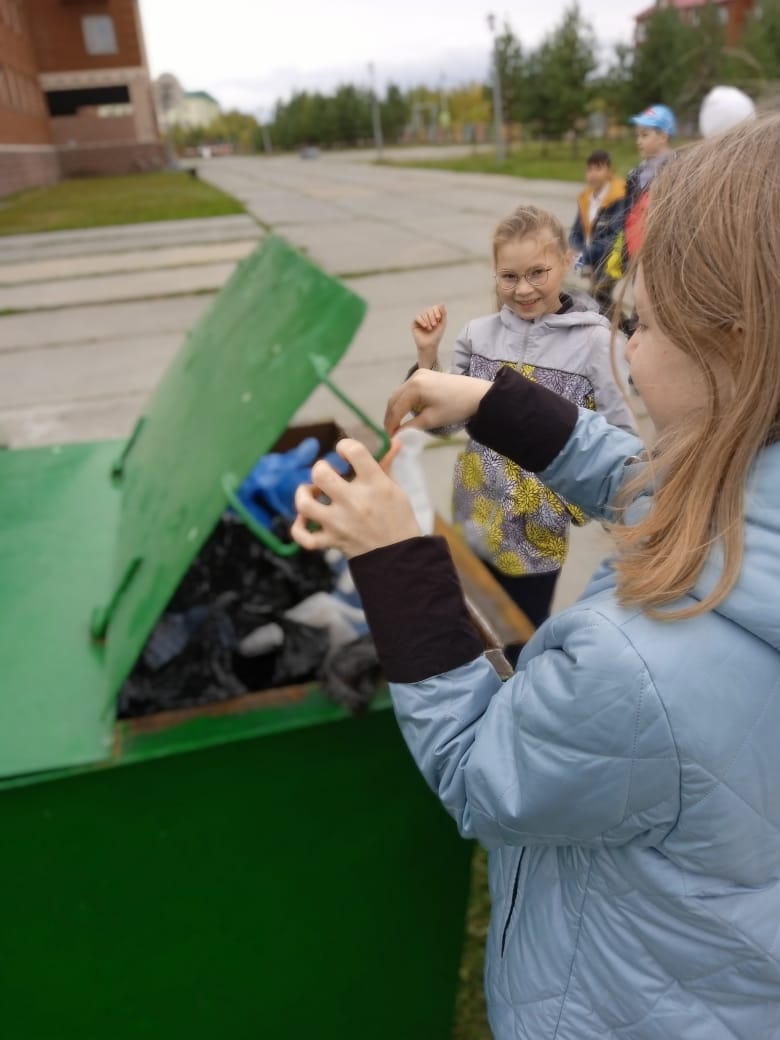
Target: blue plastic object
x=269, y=489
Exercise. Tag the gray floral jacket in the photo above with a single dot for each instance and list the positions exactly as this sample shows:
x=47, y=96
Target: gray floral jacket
x=505, y=513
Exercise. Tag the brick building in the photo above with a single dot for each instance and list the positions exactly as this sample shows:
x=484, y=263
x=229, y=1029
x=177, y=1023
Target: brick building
x=732, y=15
x=75, y=95
x=27, y=155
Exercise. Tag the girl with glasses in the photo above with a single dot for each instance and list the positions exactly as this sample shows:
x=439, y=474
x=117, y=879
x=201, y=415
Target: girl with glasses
x=625, y=780
x=556, y=337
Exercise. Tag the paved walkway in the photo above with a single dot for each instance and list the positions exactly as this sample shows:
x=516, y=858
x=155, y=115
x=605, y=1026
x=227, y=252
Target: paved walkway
x=89, y=320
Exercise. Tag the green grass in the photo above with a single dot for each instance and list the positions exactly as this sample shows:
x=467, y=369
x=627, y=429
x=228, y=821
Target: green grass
x=470, y=1015
x=555, y=160
x=101, y=201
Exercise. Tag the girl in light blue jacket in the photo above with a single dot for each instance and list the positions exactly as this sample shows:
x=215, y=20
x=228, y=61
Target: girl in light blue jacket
x=626, y=780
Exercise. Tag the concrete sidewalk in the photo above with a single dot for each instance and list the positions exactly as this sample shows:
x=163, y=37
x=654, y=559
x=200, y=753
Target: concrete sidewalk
x=89, y=320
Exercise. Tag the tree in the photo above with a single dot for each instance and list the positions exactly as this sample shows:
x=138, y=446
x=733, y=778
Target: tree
x=706, y=61
x=469, y=105
x=761, y=39
x=319, y=119
x=395, y=111
x=662, y=60
x=292, y=121
x=321, y=124
x=352, y=108
x=236, y=128
x=509, y=60
x=615, y=87
x=556, y=88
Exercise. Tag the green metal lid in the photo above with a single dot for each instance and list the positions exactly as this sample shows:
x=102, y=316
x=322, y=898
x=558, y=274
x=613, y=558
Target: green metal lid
x=95, y=538
x=275, y=330
x=58, y=523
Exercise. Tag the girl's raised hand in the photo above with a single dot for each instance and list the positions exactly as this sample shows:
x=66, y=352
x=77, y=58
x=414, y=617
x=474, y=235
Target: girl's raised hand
x=364, y=513
x=427, y=329
x=434, y=399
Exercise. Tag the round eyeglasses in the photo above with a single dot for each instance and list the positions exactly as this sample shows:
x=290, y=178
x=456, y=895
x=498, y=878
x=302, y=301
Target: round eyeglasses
x=508, y=281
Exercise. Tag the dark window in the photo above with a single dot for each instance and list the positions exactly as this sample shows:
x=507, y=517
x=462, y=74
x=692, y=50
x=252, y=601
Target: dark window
x=68, y=102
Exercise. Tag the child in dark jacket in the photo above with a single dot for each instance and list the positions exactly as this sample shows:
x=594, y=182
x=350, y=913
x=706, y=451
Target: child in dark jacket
x=600, y=216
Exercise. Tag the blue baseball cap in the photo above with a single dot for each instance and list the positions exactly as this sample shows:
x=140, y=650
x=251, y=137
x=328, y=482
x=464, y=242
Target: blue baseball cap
x=658, y=117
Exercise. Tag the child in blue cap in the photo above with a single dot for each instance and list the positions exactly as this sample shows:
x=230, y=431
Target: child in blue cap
x=654, y=128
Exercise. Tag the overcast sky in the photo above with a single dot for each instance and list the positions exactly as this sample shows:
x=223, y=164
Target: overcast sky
x=249, y=53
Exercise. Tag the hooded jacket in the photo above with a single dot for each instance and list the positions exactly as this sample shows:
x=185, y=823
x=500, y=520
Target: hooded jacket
x=625, y=780
x=638, y=182
x=595, y=240
x=505, y=513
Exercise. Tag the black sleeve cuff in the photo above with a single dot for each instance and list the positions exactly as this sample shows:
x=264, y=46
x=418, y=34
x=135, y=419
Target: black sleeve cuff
x=523, y=421
x=415, y=609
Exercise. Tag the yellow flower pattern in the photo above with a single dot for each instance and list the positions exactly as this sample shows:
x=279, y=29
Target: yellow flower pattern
x=505, y=513
x=510, y=563
x=471, y=472
x=549, y=543
x=577, y=516
x=483, y=509
x=495, y=531
x=527, y=494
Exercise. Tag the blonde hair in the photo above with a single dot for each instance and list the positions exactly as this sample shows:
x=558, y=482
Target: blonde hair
x=710, y=261
x=528, y=220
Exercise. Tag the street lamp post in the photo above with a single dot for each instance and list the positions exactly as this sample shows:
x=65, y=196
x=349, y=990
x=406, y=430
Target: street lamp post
x=497, y=111
x=376, y=118
x=266, y=134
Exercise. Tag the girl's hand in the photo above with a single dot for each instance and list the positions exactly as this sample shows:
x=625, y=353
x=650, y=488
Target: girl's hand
x=428, y=330
x=434, y=399
x=364, y=513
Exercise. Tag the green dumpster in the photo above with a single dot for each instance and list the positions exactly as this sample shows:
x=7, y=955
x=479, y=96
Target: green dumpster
x=262, y=867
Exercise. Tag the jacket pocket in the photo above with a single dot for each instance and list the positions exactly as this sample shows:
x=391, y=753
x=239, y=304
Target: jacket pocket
x=512, y=901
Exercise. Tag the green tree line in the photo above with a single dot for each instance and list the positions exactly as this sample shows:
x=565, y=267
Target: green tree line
x=551, y=90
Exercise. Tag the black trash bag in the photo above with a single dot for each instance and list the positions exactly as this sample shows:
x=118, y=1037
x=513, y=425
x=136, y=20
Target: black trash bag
x=172, y=635
x=234, y=586
x=233, y=560
x=351, y=674
x=298, y=659
x=200, y=673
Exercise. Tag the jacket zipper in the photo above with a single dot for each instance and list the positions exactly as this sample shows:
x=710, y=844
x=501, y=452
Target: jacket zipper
x=512, y=902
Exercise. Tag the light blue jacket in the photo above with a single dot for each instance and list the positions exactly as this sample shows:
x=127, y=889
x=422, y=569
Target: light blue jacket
x=626, y=782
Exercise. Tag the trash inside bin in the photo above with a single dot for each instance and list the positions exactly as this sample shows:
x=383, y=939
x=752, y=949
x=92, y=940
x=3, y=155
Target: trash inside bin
x=245, y=619
x=264, y=865
x=206, y=646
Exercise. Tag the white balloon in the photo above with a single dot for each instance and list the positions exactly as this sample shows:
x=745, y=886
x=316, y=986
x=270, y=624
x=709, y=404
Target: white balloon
x=723, y=108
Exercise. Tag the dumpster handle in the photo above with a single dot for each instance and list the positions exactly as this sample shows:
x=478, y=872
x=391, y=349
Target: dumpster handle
x=321, y=367
x=230, y=485
x=101, y=616
x=118, y=468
